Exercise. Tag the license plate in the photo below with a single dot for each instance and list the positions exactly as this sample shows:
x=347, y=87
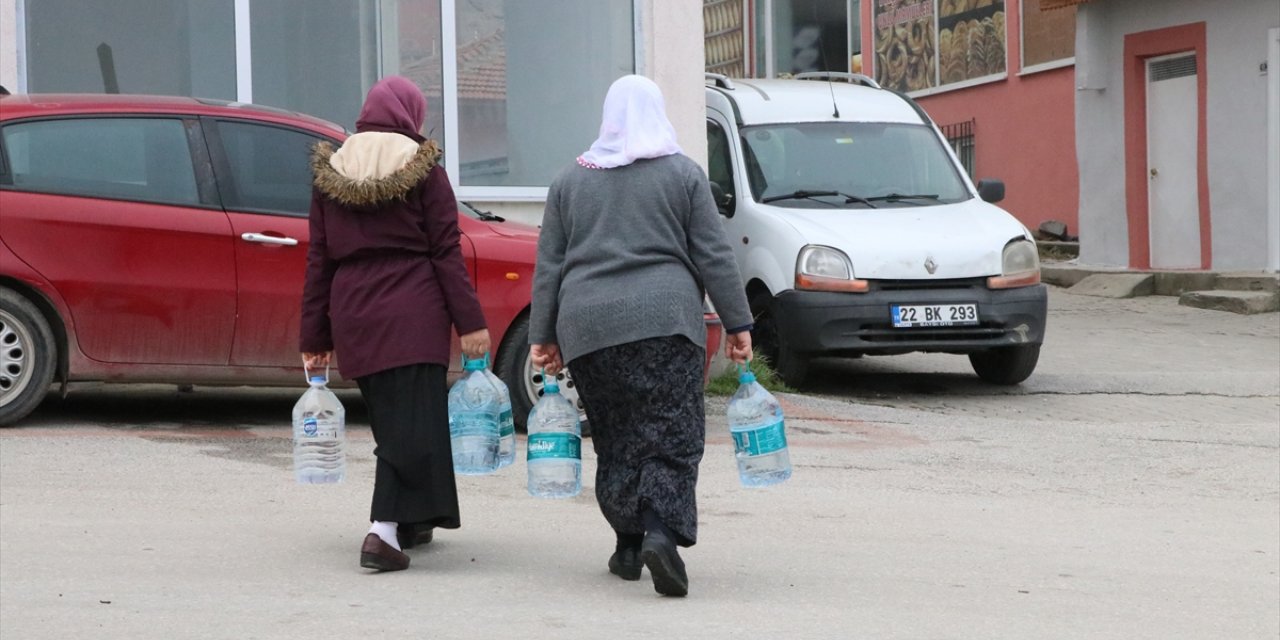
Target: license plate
x=933, y=315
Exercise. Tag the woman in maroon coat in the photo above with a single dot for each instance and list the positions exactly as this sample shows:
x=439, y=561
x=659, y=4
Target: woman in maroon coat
x=385, y=284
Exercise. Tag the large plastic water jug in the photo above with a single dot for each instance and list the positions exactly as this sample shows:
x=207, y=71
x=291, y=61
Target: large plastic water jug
x=759, y=436
x=319, y=434
x=506, y=422
x=554, y=451
x=473, y=421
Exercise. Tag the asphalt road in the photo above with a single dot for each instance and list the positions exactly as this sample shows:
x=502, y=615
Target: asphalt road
x=1129, y=489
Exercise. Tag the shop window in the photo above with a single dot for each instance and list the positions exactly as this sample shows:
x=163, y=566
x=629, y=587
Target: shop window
x=531, y=79
x=171, y=47
x=314, y=56
x=722, y=37
x=810, y=35
x=922, y=44
x=1048, y=35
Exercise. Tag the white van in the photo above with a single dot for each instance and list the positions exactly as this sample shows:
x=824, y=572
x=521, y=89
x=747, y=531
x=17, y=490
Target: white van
x=858, y=232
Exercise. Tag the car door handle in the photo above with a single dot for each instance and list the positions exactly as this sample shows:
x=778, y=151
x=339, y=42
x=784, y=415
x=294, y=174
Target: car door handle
x=266, y=239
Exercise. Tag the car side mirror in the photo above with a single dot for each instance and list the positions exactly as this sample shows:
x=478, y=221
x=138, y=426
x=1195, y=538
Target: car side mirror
x=724, y=201
x=991, y=190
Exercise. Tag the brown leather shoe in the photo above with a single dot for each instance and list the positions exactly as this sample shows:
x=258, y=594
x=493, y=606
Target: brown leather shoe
x=376, y=554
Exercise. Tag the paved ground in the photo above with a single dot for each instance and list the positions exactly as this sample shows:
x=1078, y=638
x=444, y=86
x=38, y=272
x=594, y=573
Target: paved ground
x=1130, y=489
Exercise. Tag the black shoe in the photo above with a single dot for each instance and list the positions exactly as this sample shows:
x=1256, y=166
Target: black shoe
x=625, y=563
x=665, y=566
x=414, y=535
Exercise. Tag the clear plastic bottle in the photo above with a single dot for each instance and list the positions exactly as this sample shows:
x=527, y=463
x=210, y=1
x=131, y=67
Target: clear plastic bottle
x=506, y=423
x=319, y=435
x=759, y=437
x=473, y=421
x=554, y=455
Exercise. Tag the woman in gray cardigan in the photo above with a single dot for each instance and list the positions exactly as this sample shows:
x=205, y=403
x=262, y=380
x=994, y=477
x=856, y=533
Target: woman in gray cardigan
x=630, y=241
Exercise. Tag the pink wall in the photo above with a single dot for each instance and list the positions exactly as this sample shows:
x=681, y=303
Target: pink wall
x=1025, y=135
x=1024, y=131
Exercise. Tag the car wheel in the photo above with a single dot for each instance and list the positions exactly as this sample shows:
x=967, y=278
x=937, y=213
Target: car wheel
x=29, y=351
x=515, y=367
x=1006, y=365
x=790, y=365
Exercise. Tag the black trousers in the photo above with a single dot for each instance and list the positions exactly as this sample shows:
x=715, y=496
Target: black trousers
x=645, y=403
x=409, y=414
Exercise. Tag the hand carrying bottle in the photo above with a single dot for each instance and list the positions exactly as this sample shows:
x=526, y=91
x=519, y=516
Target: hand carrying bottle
x=473, y=421
x=554, y=454
x=319, y=434
x=759, y=437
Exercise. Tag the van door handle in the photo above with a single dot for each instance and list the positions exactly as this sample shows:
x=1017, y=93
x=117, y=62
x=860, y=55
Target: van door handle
x=266, y=239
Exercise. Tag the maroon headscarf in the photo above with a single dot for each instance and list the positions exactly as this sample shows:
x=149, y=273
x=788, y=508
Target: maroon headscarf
x=395, y=105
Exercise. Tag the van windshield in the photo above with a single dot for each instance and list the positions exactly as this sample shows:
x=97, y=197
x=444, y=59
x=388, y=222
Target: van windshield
x=849, y=165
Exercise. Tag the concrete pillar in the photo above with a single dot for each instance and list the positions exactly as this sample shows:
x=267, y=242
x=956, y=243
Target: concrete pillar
x=670, y=44
x=9, y=44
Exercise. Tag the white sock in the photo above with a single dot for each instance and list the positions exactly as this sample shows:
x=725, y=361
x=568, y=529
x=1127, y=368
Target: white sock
x=386, y=531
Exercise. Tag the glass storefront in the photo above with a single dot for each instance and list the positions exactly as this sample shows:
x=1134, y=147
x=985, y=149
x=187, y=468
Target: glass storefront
x=527, y=78
x=111, y=47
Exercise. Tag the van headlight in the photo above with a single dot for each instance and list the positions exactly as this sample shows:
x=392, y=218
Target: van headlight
x=820, y=268
x=1019, y=266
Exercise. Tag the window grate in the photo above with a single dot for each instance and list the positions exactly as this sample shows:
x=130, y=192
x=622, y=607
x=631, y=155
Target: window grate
x=960, y=137
x=1173, y=68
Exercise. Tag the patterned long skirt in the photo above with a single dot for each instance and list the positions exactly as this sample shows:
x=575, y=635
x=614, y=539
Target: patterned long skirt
x=644, y=401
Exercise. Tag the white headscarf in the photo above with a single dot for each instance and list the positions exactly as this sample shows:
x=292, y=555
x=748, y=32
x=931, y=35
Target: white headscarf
x=634, y=126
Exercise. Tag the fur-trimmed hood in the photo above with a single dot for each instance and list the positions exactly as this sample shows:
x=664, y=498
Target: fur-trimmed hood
x=372, y=167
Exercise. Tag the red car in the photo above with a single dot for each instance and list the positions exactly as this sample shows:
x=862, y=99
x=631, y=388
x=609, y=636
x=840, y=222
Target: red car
x=163, y=239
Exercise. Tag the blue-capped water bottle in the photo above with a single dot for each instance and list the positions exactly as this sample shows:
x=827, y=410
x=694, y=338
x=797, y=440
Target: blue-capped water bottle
x=319, y=434
x=506, y=423
x=759, y=438
x=473, y=421
x=554, y=452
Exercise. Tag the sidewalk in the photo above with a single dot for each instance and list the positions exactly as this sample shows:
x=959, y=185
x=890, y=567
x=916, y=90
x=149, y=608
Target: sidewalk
x=1238, y=292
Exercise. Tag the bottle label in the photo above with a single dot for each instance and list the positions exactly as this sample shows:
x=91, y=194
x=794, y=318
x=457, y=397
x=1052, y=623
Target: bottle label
x=760, y=441
x=506, y=425
x=475, y=423
x=320, y=428
x=310, y=426
x=554, y=445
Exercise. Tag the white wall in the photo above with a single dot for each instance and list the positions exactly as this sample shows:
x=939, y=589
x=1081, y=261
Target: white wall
x=9, y=44
x=1236, y=43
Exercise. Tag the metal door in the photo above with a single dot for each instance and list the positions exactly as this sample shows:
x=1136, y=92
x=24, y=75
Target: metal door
x=1172, y=189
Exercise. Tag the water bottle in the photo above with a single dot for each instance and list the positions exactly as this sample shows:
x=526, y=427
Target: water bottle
x=506, y=424
x=319, y=434
x=554, y=454
x=473, y=421
x=759, y=439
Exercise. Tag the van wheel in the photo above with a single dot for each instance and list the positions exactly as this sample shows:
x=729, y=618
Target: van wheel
x=515, y=367
x=1006, y=365
x=791, y=366
x=29, y=351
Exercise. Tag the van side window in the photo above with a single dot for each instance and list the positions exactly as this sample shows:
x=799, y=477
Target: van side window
x=719, y=158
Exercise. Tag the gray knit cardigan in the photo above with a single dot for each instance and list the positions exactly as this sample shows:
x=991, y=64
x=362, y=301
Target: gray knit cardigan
x=627, y=253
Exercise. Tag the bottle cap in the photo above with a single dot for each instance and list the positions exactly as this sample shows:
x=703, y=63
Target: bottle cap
x=549, y=384
x=317, y=379
x=473, y=365
x=746, y=376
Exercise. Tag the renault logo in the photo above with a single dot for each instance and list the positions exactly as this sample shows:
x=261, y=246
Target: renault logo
x=930, y=265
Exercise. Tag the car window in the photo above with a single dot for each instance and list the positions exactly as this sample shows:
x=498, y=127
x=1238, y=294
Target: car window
x=865, y=159
x=270, y=168
x=147, y=159
x=719, y=158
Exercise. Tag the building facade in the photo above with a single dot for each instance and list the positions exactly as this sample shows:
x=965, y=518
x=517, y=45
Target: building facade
x=996, y=75
x=514, y=88
x=1177, y=109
